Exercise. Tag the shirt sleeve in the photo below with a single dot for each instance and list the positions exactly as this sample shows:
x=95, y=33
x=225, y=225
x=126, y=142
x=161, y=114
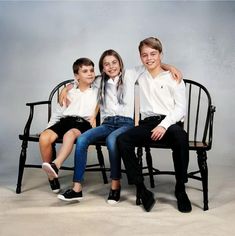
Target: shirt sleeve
x=178, y=113
x=134, y=73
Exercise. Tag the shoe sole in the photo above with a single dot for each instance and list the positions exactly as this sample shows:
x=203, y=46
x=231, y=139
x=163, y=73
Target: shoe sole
x=61, y=197
x=49, y=170
x=56, y=190
x=112, y=202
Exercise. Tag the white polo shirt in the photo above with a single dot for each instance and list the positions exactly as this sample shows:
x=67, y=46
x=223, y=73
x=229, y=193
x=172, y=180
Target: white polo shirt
x=162, y=95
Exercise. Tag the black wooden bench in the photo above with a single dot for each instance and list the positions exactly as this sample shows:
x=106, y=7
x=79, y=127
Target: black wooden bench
x=198, y=124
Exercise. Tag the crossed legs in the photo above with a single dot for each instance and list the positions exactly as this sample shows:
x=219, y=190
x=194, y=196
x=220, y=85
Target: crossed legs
x=46, y=141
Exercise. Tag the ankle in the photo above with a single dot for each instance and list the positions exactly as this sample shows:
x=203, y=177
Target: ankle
x=58, y=165
x=115, y=185
x=140, y=187
x=179, y=187
x=77, y=187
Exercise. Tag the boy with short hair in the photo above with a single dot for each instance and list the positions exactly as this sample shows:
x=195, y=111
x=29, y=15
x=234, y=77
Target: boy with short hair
x=162, y=108
x=71, y=120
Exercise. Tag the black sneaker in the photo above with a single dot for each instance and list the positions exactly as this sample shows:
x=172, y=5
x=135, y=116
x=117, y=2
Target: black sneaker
x=55, y=185
x=70, y=195
x=114, y=196
x=50, y=169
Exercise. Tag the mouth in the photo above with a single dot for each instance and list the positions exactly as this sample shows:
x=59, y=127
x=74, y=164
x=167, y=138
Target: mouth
x=149, y=63
x=112, y=71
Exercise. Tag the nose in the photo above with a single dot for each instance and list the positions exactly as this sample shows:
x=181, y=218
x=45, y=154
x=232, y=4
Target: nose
x=90, y=73
x=111, y=65
x=149, y=57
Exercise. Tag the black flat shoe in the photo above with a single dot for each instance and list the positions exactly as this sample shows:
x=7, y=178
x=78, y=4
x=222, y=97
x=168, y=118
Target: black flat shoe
x=183, y=202
x=145, y=197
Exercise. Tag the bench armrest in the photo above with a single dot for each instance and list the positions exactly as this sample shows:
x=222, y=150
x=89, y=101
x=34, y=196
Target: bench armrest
x=31, y=114
x=38, y=103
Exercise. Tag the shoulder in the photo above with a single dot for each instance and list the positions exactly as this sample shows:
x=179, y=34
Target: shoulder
x=96, y=82
x=135, y=70
x=134, y=73
x=168, y=78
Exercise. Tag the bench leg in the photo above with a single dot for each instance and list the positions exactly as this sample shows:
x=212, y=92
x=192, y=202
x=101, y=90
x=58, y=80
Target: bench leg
x=101, y=162
x=202, y=163
x=139, y=156
x=21, y=165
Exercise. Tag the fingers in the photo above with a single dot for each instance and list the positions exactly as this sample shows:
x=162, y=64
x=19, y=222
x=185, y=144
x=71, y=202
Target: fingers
x=157, y=136
x=158, y=133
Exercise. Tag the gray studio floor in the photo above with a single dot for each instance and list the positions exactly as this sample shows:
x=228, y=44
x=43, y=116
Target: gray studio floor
x=37, y=211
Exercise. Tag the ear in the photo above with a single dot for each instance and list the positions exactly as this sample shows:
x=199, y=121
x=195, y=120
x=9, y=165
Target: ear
x=76, y=77
x=161, y=56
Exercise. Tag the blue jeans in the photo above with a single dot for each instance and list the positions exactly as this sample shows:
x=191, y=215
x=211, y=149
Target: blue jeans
x=110, y=129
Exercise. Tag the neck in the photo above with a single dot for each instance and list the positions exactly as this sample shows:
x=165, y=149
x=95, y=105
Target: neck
x=83, y=87
x=156, y=71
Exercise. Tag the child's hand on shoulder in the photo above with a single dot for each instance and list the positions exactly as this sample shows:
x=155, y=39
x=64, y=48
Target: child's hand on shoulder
x=176, y=74
x=63, y=101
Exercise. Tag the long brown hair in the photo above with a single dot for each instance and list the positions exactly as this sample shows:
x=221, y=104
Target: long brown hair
x=104, y=77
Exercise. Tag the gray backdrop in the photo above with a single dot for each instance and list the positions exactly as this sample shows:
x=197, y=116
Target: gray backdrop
x=39, y=41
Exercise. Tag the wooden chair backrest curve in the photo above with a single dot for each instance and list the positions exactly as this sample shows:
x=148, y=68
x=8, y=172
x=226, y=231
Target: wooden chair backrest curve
x=199, y=117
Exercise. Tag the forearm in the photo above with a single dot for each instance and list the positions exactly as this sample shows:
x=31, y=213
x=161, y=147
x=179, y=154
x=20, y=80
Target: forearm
x=177, y=75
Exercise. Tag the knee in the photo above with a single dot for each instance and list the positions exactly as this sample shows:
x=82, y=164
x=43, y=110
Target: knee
x=82, y=142
x=71, y=134
x=45, y=138
x=111, y=143
x=179, y=135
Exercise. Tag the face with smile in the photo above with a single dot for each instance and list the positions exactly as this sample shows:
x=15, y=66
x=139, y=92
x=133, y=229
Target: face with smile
x=151, y=58
x=111, y=66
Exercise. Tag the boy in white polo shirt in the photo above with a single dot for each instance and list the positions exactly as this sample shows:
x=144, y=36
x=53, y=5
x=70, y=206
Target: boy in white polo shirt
x=162, y=108
x=70, y=120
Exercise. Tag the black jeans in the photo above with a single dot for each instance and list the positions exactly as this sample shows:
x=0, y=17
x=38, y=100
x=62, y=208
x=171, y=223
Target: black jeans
x=175, y=137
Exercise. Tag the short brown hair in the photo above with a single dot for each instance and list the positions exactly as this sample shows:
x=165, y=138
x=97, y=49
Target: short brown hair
x=152, y=43
x=82, y=62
